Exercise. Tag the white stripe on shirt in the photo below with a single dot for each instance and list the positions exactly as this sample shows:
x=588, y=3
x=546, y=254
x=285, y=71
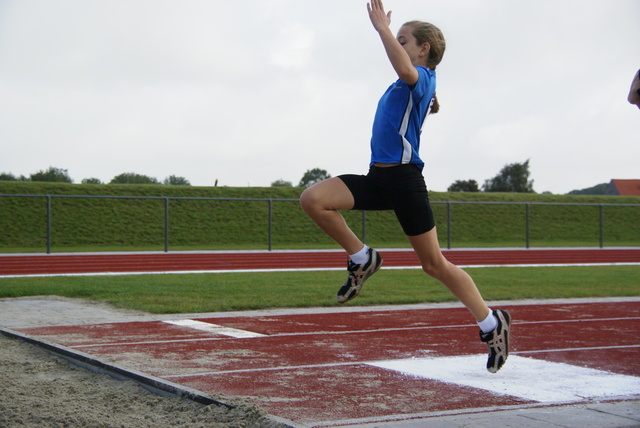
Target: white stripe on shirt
x=407, y=151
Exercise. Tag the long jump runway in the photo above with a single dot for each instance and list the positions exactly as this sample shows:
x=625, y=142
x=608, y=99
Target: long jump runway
x=346, y=366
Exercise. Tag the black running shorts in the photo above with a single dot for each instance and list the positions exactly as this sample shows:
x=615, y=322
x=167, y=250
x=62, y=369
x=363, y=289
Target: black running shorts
x=399, y=188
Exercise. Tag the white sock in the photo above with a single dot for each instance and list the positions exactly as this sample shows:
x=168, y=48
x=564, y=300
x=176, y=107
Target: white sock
x=489, y=324
x=361, y=257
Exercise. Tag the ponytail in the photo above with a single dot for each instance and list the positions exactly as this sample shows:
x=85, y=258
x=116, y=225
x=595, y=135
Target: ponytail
x=435, y=105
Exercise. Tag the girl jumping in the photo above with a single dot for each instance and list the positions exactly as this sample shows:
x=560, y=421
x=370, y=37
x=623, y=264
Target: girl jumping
x=395, y=180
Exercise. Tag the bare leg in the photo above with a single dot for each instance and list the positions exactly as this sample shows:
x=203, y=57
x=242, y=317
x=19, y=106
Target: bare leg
x=455, y=279
x=321, y=202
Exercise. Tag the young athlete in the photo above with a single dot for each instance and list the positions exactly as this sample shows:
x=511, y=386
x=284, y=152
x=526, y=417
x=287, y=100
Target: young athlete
x=395, y=180
x=634, y=91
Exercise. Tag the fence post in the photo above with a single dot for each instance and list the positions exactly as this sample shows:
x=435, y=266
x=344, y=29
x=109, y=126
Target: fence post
x=48, y=224
x=527, y=224
x=166, y=225
x=364, y=227
x=270, y=224
x=601, y=226
x=449, y=225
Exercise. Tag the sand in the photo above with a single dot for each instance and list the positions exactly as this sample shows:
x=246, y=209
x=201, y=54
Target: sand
x=38, y=389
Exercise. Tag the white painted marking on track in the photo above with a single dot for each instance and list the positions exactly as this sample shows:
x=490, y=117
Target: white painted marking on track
x=215, y=328
x=527, y=378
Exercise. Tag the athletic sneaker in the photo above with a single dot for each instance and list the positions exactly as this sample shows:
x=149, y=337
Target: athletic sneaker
x=358, y=274
x=498, y=341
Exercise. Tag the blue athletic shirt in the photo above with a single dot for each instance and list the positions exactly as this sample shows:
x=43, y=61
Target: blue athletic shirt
x=399, y=118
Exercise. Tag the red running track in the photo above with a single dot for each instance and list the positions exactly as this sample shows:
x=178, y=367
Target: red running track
x=319, y=369
x=60, y=264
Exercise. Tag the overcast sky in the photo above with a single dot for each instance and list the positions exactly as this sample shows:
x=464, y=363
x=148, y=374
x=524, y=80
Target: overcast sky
x=252, y=91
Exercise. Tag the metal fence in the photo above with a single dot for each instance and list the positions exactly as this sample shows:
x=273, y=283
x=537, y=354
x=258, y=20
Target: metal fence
x=447, y=205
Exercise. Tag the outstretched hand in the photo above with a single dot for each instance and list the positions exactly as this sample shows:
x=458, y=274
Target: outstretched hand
x=379, y=18
x=400, y=59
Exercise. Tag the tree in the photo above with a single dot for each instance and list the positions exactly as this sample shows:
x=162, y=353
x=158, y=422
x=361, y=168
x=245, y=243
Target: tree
x=313, y=176
x=7, y=176
x=172, y=180
x=91, y=181
x=52, y=175
x=598, y=189
x=133, y=178
x=464, y=186
x=512, y=178
x=281, y=183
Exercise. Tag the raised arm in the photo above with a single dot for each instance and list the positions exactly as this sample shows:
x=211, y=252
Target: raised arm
x=399, y=58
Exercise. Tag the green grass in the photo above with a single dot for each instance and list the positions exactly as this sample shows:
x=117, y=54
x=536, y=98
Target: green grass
x=81, y=224
x=196, y=293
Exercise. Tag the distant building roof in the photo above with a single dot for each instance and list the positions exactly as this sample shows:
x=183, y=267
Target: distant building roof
x=623, y=188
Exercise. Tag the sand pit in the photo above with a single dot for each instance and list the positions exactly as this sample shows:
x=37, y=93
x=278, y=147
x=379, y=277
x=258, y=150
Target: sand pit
x=38, y=389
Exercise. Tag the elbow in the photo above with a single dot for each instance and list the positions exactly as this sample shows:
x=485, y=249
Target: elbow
x=408, y=75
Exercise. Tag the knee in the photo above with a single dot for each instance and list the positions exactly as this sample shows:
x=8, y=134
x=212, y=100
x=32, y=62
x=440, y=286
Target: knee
x=328, y=195
x=430, y=270
x=309, y=200
x=435, y=267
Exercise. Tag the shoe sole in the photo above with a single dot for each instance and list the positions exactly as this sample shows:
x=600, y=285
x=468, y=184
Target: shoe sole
x=505, y=321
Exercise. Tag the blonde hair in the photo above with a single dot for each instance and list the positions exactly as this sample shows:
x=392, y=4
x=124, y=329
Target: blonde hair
x=425, y=32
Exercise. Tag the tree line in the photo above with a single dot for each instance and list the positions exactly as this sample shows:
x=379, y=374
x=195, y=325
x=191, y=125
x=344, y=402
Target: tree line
x=59, y=175
x=512, y=177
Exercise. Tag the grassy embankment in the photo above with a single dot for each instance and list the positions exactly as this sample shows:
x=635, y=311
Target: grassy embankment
x=80, y=224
